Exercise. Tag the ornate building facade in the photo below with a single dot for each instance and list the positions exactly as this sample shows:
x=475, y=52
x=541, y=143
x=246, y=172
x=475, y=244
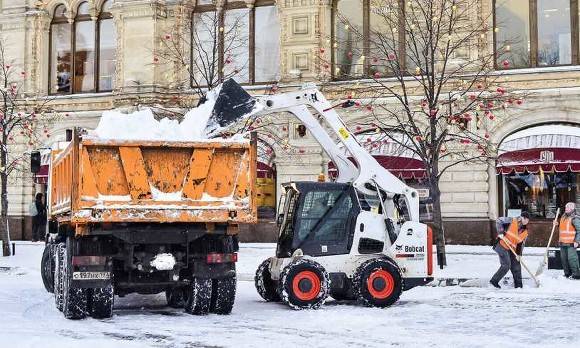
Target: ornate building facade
x=96, y=55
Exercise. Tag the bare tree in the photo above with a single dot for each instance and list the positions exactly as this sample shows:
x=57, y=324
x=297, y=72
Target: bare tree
x=434, y=88
x=24, y=124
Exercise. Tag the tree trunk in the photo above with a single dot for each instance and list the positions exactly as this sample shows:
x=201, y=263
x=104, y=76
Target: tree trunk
x=438, y=229
x=4, y=232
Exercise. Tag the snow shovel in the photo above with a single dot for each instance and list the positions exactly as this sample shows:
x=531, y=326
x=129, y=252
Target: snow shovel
x=520, y=260
x=542, y=265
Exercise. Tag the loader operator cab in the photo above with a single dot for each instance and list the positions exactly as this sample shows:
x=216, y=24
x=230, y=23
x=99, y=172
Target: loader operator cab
x=318, y=218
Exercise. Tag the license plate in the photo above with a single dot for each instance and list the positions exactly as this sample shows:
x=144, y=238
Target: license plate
x=91, y=275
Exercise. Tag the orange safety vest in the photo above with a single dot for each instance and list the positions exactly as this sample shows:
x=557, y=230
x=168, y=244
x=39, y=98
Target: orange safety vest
x=567, y=230
x=514, y=236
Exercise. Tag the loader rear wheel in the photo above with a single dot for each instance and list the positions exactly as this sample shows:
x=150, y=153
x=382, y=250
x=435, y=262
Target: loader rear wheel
x=176, y=297
x=223, y=295
x=75, y=300
x=58, y=277
x=47, y=267
x=378, y=283
x=199, y=296
x=265, y=286
x=101, y=302
x=304, y=284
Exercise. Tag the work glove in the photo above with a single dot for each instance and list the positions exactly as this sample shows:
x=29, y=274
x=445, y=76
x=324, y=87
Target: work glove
x=555, y=223
x=575, y=244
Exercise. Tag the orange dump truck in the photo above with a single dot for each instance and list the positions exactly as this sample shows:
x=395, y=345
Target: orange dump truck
x=146, y=217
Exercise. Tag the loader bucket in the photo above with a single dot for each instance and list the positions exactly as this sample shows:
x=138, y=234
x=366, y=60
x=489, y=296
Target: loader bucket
x=232, y=104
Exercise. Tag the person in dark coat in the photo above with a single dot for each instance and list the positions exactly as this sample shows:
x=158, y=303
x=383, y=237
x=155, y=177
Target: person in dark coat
x=39, y=220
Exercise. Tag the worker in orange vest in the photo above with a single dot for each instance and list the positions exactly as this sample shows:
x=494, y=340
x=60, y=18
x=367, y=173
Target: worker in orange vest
x=569, y=241
x=515, y=232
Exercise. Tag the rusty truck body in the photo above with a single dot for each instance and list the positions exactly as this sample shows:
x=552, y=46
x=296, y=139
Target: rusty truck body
x=146, y=217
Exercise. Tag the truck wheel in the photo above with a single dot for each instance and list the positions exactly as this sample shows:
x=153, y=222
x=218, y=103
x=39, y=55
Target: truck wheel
x=47, y=267
x=223, y=295
x=58, y=278
x=378, y=283
x=199, y=296
x=175, y=297
x=265, y=286
x=102, y=301
x=304, y=284
x=75, y=299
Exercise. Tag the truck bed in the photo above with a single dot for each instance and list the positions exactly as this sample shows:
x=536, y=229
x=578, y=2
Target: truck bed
x=104, y=181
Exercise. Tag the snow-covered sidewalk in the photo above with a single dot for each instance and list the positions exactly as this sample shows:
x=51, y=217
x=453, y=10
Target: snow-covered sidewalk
x=425, y=316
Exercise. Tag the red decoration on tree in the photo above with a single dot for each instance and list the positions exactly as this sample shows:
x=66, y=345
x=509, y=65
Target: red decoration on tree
x=486, y=135
x=391, y=56
x=519, y=102
x=505, y=63
x=472, y=96
x=369, y=107
x=479, y=86
x=167, y=37
x=322, y=50
x=377, y=75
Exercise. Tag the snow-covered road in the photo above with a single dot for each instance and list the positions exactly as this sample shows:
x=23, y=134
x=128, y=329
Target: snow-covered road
x=428, y=316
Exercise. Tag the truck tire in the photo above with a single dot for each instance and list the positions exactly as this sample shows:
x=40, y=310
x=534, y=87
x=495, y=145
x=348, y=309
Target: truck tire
x=199, y=296
x=101, y=302
x=47, y=267
x=175, y=297
x=75, y=299
x=378, y=283
x=304, y=284
x=59, y=278
x=265, y=286
x=223, y=295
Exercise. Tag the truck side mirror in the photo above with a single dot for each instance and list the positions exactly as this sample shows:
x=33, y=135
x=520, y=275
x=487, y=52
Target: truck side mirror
x=35, y=162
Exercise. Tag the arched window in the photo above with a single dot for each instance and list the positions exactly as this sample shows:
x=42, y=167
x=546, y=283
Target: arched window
x=60, y=52
x=366, y=33
x=84, y=48
x=82, y=54
x=238, y=42
x=107, y=47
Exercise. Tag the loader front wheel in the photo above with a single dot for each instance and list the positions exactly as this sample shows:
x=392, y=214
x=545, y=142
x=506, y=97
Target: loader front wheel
x=378, y=283
x=223, y=295
x=199, y=296
x=304, y=284
x=265, y=286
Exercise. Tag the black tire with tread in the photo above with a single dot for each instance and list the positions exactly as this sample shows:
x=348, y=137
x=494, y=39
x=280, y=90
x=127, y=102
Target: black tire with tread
x=75, y=300
x=360, y=282
x=47, y=268
x=175, y=297
x=58, y=277
x=265, y=286
x=102, y=301
x=223, y=295
x=198, y=300
x=285, y=284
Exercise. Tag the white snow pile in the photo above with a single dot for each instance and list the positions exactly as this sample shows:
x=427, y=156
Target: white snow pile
x=163, y=262
x=142, y=125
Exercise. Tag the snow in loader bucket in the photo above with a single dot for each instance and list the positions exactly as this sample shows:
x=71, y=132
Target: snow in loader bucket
x=232, y=105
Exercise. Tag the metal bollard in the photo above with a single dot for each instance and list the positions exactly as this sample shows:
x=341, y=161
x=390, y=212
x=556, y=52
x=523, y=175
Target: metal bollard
x=13, y=249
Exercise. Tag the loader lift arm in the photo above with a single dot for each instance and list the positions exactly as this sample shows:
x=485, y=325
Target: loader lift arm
x=367, y=172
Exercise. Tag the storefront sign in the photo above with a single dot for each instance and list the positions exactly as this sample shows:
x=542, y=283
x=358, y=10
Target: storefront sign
x=547, y=156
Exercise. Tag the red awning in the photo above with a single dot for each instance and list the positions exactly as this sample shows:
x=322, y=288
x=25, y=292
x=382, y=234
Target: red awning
x=403, y=167
x=264, y=170
x=42, y=176
x=559, y=160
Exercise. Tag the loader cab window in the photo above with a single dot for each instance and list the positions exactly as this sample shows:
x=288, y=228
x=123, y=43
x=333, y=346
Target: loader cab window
x=370, y=202
x=401, y=209
x=325, y=220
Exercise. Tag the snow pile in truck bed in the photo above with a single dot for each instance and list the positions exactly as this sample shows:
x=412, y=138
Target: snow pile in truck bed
x=142, y=125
